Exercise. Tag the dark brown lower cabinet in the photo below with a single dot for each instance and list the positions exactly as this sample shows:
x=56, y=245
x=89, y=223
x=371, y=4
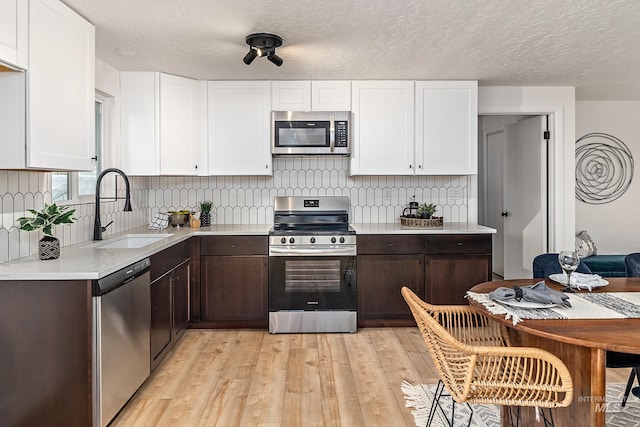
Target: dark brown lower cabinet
x=449, y=277
x=439, y=268
x=454, y=263
x=169, y=310
x=45, y=355
x=234, y=289
x=386, y=263
x=181, y=299
x=380, y=279
x=160, y=317
x=234, y=274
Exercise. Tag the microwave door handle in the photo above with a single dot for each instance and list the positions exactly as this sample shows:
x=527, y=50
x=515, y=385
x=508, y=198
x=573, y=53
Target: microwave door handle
x=332, y=133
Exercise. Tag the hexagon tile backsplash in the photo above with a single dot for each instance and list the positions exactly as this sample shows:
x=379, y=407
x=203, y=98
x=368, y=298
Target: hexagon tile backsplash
x=236, y=199
x=249, y=199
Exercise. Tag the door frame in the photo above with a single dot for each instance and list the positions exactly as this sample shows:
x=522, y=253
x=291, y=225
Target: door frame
x=555, y=156
x=485, y=189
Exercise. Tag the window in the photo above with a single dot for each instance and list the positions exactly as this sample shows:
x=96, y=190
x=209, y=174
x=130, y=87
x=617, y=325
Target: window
x=79, y=186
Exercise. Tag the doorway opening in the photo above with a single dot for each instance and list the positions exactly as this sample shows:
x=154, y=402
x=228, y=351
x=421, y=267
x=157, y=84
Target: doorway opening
x=514, y=188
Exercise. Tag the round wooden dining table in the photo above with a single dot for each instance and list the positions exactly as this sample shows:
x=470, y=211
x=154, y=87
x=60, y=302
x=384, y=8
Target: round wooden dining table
x=581, y=344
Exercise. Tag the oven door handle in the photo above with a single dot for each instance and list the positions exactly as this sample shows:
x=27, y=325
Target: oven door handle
x=340, y=251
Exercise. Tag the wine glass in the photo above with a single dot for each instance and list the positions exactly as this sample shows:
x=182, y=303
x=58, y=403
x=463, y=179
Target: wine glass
x=569, y=261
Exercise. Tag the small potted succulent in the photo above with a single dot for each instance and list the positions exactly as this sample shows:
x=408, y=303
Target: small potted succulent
x=45, y=219
x=426, y=211
x=205, y=213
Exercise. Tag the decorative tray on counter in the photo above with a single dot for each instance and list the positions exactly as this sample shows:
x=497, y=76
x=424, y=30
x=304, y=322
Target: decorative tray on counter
x=433, y=222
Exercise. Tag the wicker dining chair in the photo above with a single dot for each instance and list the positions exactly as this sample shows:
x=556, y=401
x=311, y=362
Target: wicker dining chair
x=488, y=374
x=466, y=324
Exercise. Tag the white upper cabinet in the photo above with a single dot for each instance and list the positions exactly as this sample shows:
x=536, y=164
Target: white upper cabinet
x=47, y=113
x=291, y=95
x=13, y=33
x=139, y=122
x=446, y=127
x=323, y=95
x=239, y=127
x=435, y=136
x=163, y=124
x=61, y=88
x=383, y=128
x=331, y=95
x=182, y=126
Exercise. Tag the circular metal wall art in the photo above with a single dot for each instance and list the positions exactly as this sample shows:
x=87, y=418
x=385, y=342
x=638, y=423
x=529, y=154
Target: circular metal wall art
x=604, y=168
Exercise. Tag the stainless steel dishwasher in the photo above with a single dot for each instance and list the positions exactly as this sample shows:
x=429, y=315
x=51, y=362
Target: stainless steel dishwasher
x=121, y=329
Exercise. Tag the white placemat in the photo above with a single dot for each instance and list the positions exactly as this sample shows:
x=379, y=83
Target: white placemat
x=618, y=305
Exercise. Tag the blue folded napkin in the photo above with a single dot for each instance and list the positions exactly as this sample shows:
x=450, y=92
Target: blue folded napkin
x=539, y=293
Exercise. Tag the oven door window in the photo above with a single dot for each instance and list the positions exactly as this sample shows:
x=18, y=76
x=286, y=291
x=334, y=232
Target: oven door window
x=302, y=134
x=312, y=283
x=301, y=275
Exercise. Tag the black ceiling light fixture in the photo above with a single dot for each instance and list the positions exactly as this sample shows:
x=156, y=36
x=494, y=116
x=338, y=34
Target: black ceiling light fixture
x=263, y=44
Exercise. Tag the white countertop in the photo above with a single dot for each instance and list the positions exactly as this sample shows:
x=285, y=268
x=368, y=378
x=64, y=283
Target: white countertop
x=447, y=228
x=85, y=262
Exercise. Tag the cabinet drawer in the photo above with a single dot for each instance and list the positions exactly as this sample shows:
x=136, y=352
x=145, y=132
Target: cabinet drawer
x=233, y=245
x=458, y=244
x=170, y=258
x=390, y=244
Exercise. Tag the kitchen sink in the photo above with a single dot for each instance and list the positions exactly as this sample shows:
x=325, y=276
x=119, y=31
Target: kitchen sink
x=132, y=241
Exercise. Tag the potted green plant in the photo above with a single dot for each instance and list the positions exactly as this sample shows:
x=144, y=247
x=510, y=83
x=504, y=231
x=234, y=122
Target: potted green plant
x=45, y=219
x=426, y=211
x=205, y=213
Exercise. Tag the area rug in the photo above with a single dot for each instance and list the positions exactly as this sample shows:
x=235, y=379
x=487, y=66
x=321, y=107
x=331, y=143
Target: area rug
x=419, y=398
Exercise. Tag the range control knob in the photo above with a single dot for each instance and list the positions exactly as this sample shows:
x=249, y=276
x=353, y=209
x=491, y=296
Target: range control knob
x=313, y=240
x=292, y=240
x=333, y=240
x=341, y=239
x=283, y=240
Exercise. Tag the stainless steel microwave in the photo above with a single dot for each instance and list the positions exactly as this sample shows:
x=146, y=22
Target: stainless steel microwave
x=310, y=133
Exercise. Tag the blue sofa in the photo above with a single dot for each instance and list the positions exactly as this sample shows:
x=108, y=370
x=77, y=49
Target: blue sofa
x=606, y=265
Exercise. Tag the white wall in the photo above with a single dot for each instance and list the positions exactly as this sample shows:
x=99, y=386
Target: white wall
x=613, y=226
x=560, y=101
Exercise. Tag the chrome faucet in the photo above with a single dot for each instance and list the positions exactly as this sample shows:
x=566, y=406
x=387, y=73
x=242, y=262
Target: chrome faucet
x=97, y=227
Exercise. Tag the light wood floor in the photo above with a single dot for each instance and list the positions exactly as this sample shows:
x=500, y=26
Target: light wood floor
x=252, y=378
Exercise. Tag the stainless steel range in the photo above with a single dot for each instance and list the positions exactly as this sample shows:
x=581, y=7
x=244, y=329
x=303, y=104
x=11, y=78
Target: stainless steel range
x=312, y=266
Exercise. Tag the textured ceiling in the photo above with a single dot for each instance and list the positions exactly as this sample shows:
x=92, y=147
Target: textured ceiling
x=591, y=44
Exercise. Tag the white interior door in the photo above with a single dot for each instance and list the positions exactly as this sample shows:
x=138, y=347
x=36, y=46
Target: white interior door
x=525, y=196
x=495, y=197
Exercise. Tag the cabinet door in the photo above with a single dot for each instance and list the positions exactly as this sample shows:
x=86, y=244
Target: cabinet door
x=61, y=81
x=13, y=33
x=234, y=288
x=139, y=106
x=449, y=277
x=380, y=279
x=180, y=118
x=291, y=95
x=239, y=119
x=447, y=127
x=160, y=316
x=383, y=128
x=328, y=95
x=180, y=290
x=163, y=124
